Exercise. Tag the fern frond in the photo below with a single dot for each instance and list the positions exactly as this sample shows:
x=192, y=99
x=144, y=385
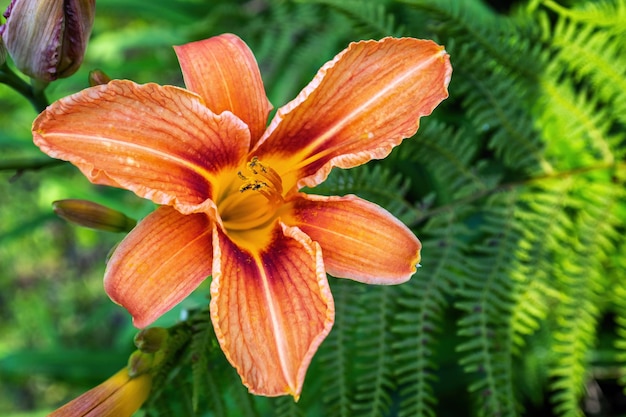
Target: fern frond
x=587, y=125
x=374, y=360
x=162, y=406
x=618, y=284
x=178, y=340
x=544, y=226
x=444, y=157
x=294, y=41
x=485, y=297
x=286, y=407
x=573, y=340
x=465, y=15
x=373, y=182
x=546, y=229
x=595, y=57
x=335, y=358
x=424, y=301
x=242, y=403
x=169, y=374
x=498, y=104
x=478, y=34
x=500, y=59
x=581, y=280
x=608, y=14
x=204, y=372
x=370, y=18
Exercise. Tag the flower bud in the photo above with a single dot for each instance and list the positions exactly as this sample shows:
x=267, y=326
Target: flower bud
x=139, y=363
x=47, y=39
x=98, y=77
x=93, y=215
x=151, y=339
x=119, y=396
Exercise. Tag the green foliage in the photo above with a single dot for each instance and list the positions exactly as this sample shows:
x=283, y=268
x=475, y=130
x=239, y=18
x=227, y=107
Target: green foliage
x=515, y=186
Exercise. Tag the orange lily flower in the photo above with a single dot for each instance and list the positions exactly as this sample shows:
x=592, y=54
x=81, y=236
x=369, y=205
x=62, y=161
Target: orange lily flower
x=228, y=186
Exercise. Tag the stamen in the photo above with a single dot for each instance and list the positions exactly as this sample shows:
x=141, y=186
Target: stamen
x=246, y=209
x=264, y=180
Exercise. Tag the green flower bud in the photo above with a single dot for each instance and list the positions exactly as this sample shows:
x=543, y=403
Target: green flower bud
x=152, y=339
x=139, y=363
x=47, y=39
x=93, y=215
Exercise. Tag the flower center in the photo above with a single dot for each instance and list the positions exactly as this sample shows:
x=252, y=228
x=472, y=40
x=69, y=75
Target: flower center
x=252, y=199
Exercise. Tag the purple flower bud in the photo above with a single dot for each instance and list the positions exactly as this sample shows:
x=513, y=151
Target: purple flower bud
x=47, y=39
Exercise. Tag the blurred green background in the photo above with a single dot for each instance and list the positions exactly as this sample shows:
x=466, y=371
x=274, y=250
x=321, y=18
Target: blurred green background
x=515, y=185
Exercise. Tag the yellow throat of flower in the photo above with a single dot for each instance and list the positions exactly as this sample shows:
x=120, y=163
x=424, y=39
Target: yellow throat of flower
x=252, y=200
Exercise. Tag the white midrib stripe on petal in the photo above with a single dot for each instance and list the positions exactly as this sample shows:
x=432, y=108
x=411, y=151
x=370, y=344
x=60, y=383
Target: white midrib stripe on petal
x=347, y=119
x=107, y=142
x=277, y=327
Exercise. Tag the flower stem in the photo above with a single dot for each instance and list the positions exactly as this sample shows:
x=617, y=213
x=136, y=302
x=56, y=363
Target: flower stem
x=22, y=164
x=515, y=184
x=36, y=96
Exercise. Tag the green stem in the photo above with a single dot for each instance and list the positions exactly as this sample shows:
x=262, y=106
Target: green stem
x=507, y=186
x=36, y=96
x=21, y=164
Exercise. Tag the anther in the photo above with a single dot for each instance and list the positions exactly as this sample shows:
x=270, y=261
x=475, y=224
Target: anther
x=264, y=180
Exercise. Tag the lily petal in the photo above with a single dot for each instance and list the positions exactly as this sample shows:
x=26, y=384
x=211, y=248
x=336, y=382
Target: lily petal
x=161, y=261
x=358, y=107
x=160, y=142
x=271, y=309
x=360, y=240
x=224, y=72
